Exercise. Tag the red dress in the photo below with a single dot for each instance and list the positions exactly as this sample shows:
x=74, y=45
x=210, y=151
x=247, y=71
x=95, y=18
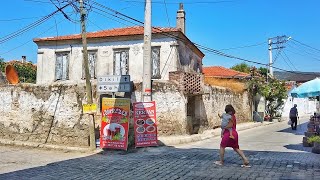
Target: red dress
x=226, y=141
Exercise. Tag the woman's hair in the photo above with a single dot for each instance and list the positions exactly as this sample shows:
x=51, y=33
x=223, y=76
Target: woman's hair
x=229, y=108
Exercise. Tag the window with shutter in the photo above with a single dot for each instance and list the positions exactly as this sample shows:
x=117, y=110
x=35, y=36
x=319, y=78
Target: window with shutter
x=92, y=60
x=121, y=62
x=155, y=63
x=62, y=66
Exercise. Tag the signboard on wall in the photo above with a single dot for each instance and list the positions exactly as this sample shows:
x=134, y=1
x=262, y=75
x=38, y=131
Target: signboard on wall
x=145, y=124
x=114, y=123
x=114, y=83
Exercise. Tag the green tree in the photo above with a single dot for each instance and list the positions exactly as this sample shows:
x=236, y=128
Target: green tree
x=27, y=72
x=274, y=92
x=263, y=71
x=242, y=67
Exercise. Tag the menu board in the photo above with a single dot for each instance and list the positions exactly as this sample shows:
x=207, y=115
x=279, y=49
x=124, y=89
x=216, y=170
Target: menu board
x=145, y=126
x=114, y=123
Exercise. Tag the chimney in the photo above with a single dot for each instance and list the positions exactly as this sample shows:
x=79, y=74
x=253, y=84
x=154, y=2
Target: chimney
x=181, y=19
x=24, y=59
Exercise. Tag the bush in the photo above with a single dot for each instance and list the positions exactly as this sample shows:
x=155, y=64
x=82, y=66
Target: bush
x=314, y=139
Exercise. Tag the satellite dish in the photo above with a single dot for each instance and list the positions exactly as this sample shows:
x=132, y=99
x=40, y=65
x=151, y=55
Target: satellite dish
x=12, y=75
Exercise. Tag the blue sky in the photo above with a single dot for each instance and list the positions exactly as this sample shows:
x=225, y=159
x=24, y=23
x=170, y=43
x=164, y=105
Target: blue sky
x=216, y=24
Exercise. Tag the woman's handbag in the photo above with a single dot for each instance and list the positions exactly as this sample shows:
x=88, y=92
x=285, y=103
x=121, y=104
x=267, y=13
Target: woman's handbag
x=289, y=122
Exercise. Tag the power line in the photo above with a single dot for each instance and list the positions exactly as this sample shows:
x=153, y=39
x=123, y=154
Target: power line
x=285, y=54
x=165, y=5
x=110, y=18
x=286, y=62
x=198, y=45
x=37, y=1
x=304, y=55
x=31, y=39
x=246, y=46
x=197, y=2
x=303, y=48
x=29, y=27
x=185, y=40
x=18, y=19
x=306, y=45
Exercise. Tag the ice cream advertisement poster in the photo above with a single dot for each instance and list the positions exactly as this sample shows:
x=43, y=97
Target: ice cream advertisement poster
x=145, y=126
x=114, y=123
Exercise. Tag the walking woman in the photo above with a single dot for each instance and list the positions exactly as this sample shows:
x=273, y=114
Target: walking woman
x=226, y=141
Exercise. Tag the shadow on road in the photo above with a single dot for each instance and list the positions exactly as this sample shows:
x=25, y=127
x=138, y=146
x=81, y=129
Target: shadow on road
x=174, y=163
x=301, y=128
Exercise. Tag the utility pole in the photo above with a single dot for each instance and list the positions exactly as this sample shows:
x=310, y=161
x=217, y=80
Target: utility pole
x=86, y=69
x=270, y=57
x=146, y=84
x=280, y=40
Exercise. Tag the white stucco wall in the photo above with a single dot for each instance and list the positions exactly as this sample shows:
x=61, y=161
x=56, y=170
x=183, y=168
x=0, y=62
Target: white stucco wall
x=105, y=57
x=305, y=106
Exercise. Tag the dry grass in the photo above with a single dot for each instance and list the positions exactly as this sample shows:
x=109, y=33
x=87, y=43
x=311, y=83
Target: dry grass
x=232, y=84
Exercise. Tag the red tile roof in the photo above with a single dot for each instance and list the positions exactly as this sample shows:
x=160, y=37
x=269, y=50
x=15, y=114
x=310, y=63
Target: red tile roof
x=222, y=72
x=127, y=31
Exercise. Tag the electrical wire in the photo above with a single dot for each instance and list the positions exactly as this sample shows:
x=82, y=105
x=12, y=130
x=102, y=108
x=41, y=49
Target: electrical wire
x=196, y=2
x=286, y=62
x=50, y=28
x=165, y=5
x=29, y=27
x=306, y=45
x=285, y=54
x=304, y=55
x=198, y=45
x=304, y=49
x=246, y=46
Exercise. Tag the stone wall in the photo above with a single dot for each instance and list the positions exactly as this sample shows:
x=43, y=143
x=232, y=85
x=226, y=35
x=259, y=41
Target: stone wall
x=214, y=101
x=53, y=114
x=43, y=114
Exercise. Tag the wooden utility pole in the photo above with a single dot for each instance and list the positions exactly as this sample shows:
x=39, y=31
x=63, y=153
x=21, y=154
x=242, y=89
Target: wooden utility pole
x=86, y=69
x=146, y=84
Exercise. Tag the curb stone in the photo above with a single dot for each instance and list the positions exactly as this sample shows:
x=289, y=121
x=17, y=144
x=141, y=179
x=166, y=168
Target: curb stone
x=163, y=140
x=44, y=146
x=183, y=139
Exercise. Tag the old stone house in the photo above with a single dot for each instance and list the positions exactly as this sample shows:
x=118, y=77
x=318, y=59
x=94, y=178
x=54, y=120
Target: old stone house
x=51, y=111
x=176, y=67
x=117, y=52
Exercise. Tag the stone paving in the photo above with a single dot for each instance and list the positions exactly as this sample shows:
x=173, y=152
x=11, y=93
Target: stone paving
x=192, y=161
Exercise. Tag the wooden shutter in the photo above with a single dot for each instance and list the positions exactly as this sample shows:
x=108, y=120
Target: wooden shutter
x=92, y=65
x=116, y=69
x=124, y=62
x=58, y=67
x=155, y=63
x=65, y=67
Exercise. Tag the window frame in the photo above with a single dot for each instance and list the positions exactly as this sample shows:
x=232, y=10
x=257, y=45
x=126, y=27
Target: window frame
x=62, y=54
x=115, y=52
x=95, y=52
x=158, y=75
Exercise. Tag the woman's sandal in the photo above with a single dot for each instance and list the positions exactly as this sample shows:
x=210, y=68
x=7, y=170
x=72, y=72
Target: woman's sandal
x=246, y=165
x=219, y=163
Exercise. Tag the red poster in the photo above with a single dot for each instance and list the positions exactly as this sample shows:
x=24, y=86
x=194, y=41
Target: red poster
x=114, y=123
x=145, y=126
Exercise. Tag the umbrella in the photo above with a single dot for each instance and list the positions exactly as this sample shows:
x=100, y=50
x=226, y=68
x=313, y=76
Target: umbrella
x=307, y=89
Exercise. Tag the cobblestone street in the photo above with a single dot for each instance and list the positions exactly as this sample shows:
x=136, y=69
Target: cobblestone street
x=274, y=151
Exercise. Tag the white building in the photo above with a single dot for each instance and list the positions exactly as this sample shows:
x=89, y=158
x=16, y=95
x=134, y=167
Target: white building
x=117, y=52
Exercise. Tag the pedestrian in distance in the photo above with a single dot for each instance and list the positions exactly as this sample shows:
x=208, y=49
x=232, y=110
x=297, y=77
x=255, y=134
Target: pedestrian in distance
x=294, y=117
x=226, y=141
